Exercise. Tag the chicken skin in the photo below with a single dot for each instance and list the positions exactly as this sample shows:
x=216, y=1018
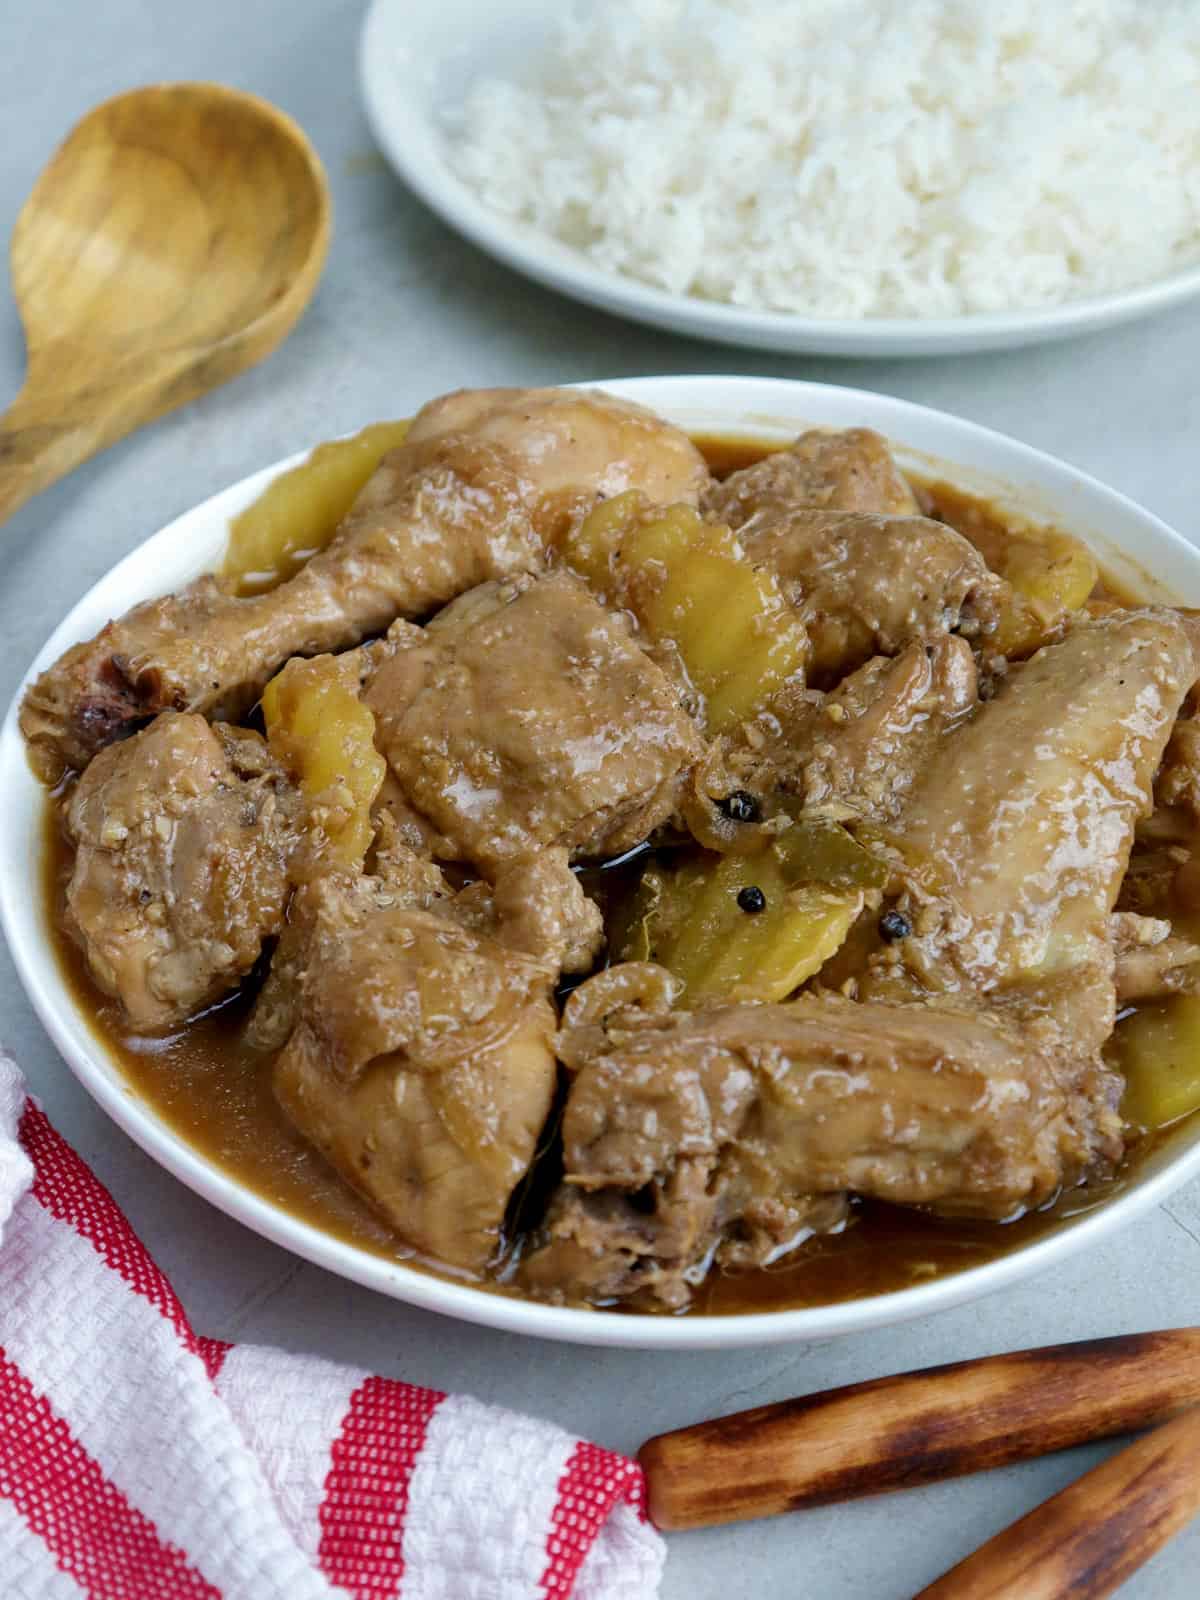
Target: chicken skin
x=485, y=483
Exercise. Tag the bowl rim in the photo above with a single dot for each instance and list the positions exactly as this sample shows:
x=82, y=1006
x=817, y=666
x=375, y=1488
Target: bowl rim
x=410, y=142
x=761, y=406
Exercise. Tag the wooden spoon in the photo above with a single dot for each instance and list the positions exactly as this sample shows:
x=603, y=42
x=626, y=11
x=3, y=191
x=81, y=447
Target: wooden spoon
x=173, y=240
x=918, y=1427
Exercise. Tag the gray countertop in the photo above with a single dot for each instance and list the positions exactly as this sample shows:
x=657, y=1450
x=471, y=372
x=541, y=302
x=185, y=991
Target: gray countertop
x=405, y=311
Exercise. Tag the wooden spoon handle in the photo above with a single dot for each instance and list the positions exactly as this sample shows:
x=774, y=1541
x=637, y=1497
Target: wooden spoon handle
x=48, y=432
x=40, y=443
x=1085, y=1541
x=919, y=1427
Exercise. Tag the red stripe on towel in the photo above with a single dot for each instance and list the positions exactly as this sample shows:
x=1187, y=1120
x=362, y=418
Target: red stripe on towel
x=366, y=1488
x=213, y=1352
x=111, y=1549
x=592, y=1483
x=66, y=1188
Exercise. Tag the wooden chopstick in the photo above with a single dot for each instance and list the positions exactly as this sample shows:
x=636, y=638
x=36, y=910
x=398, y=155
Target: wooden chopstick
x=1086, y=1540
x=916, y=1428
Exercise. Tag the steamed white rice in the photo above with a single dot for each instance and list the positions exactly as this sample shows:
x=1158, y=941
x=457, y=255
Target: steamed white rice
x=842, y=158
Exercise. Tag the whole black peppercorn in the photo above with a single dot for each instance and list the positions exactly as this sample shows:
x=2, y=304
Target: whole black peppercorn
x=740, y=806
x=894, y=925
x=752, y=899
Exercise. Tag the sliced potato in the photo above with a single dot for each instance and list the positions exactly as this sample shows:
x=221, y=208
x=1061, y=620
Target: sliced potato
x=1052, y=575
x=320, y=729
x=1158, y=1049
x=690, y=921
x=1054, y=572
x=690, y=581
x=591, y=548
x=297, y=515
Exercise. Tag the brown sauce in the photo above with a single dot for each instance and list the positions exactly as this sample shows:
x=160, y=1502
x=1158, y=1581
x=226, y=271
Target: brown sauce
x=214, y=1092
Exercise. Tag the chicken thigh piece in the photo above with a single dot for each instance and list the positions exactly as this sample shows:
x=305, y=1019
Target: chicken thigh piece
x=577, y=444
x=835, y=520
x=182, y=838
x=537, y=909
x=483, y=485
x=827, y=470
x=530, y=718
x=739, y=1129
x=868, y=585
x=420, y=1062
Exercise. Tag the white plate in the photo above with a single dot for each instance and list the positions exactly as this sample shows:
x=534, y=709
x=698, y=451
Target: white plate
x=416, y=56
x=1130, y=541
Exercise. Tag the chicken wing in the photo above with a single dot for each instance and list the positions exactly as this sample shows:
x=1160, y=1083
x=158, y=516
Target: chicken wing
x=864, y=747
x=1020, y=829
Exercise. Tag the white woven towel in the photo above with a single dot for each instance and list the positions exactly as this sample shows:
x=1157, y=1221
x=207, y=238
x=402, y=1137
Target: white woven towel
x=139, y=1461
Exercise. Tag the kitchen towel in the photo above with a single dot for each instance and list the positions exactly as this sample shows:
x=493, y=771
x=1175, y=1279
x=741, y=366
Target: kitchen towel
x=141, y=1461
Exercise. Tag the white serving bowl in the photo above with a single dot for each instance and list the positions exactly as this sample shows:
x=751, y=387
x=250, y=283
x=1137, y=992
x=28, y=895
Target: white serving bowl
x=418, y=56
x=1129, y=541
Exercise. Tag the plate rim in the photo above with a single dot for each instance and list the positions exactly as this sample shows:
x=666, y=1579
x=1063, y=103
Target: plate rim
x=555, y=265
x=100, y=1076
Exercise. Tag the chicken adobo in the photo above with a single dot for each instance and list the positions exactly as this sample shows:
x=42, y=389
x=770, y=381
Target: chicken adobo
x=627, y=875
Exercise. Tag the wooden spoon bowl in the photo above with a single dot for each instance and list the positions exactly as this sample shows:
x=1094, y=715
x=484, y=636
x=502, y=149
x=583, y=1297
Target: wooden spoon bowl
x=173, y=241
